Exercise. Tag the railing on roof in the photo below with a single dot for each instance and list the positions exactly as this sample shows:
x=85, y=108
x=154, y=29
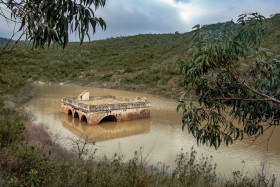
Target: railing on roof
x=105, y=107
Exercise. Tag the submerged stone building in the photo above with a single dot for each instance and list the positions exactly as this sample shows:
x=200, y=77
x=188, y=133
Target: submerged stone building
x=94, y=109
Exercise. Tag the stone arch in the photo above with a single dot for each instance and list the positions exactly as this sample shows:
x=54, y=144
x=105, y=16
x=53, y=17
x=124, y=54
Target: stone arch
x=70, y=112
x=109, y=118
x=84, y=118
x=76, y=115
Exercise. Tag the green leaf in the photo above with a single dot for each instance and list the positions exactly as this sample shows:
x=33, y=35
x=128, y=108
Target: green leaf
x=180, y=106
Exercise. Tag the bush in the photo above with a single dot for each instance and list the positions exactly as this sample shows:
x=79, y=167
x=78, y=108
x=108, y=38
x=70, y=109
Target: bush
x=260, y=180
x=189, y=171
x=10, y=132
x=10, y=129
x=26, y=158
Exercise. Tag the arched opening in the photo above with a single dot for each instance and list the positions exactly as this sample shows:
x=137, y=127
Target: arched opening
x=70, y=112
x=83, y=118
x=76, y=115
x=109, y=118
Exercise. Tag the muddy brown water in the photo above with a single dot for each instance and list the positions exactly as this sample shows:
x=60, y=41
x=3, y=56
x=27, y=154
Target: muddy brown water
x=161, y=137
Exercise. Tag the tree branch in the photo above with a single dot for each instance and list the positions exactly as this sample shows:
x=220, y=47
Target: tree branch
x=13, y=46
x=261, y=94
x=243, y=82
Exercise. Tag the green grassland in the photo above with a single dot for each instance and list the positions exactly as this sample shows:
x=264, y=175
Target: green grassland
x=142, y=62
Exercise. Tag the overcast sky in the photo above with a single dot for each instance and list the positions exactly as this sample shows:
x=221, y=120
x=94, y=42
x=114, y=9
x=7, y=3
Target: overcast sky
x=132, y=17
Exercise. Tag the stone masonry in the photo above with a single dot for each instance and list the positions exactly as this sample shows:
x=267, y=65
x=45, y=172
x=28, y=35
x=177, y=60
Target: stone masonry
x=93, y=111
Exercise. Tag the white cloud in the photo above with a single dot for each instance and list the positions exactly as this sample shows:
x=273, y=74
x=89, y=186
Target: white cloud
x=131, y=17
x=187, y=10
x=194, y=12
x=127, y=17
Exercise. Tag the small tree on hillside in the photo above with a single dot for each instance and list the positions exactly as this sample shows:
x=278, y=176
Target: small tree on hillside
x=45, y=21
x=232, y=76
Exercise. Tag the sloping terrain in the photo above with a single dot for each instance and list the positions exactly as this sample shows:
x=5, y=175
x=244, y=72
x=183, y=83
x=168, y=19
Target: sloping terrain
x=146, y=62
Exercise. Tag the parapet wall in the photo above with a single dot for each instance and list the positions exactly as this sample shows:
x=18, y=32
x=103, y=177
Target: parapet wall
x=94, y=118
x=105, y=107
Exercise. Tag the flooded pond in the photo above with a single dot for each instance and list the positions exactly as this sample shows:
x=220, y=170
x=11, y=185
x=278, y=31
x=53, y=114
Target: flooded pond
x=161, y=137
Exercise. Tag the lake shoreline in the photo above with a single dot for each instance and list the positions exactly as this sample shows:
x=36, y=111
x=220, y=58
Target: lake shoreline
x=170, y=93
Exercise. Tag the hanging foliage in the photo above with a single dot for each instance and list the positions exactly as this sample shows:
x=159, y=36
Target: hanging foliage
x=232, y=77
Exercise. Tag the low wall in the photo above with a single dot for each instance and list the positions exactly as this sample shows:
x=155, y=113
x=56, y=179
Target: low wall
x=105, y=107
x=94, y=118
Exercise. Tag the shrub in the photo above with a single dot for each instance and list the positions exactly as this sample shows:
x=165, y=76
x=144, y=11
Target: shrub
x=10, y=128
x=27, y=158
x=261, y=179
x=189, y=171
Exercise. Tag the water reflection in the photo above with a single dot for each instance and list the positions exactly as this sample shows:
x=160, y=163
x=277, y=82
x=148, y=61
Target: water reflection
x=105, y=130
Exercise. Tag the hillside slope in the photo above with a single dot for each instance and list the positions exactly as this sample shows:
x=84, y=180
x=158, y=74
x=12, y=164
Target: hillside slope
x=135, y=62
x=146, y=62
x=3, y=41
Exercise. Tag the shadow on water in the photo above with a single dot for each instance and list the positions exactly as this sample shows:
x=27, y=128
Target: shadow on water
x=108, y=125
x=107, y=129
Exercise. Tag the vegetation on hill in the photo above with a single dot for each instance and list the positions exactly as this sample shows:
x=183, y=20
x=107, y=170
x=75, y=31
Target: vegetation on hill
x=272, y=39
x=142, y=62
x=3, y=41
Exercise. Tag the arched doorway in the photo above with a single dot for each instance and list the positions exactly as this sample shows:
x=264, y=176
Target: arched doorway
x=76, y=115
x=109, y=118
x=70, y=112
x=84, y=118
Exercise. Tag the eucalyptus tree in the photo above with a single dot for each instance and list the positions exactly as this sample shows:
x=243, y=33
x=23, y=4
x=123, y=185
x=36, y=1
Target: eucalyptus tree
x=233, y=77
x=47, y=21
